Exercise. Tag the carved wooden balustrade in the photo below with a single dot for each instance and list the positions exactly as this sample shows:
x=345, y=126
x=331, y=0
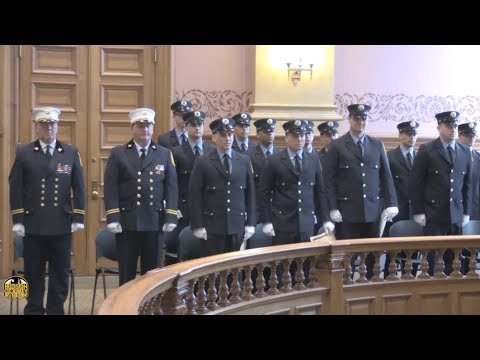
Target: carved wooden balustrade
x=238, y=282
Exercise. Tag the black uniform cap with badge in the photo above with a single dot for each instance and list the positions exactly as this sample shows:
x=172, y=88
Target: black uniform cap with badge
x=468, y=129
x=267, y=125
x=142, y=115
x=222, y=125
x=408, y=127
x=45, y=114
x=194, y=117
x=447, y=117
x=310, y=125
x=298, y=127
x=359, y=111
x=242, y=119
x=328, y=127
x=180, y=107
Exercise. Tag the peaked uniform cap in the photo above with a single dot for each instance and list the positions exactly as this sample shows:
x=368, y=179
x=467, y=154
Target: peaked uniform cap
x=144, y=115
x=45, y=114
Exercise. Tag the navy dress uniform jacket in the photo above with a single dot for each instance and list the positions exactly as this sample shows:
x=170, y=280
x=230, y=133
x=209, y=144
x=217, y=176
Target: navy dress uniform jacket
x=401, y=180
x=321, y=155
x=356, y=185
x=293, y=202
x=475, y=170
x=135, y=194
x=40, y=189
x=258, y=162
x=184, y=160
x=168, y=139
x=251, y=145
x=221, y=203
x=440, y=190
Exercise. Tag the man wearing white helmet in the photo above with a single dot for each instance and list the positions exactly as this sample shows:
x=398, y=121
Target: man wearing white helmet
x=43, y=177
x=140, y=177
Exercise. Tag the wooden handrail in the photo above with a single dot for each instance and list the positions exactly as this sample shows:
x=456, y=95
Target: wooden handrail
x=329, y=257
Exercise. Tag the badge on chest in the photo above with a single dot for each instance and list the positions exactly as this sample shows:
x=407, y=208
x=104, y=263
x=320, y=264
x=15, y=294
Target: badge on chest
x=64, y=169
x=159, y=169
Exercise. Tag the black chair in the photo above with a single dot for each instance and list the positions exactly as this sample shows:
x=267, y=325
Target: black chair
x=472, y=228
x=17, y=270
x=190, y=246
x=259, y=238
x=106, y=247
x=406, y=228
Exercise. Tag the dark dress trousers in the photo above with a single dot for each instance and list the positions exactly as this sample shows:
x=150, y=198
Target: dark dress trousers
x=142, y=196
x=222, y=203
x=40, y=199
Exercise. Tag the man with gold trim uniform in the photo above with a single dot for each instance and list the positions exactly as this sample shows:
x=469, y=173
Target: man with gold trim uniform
x=42, y=178
x=140, y=177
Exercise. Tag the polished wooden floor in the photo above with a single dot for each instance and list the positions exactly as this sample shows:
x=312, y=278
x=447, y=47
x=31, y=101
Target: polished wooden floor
x=83, y=296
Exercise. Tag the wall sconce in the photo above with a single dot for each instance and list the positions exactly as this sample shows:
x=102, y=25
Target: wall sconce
x=295, y=73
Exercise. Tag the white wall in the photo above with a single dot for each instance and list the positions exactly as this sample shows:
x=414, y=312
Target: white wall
x=409, y=82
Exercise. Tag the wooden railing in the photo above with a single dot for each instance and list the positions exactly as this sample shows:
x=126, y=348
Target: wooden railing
x=237, y=282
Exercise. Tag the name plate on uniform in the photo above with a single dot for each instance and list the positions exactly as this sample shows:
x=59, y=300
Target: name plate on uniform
x=64, y=169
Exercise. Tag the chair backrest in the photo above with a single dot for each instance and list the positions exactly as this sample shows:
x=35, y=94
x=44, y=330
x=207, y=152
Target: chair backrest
x=190, y=246
x=259, y=238
x=472, y=228
x=106, y=245
x=406, y=228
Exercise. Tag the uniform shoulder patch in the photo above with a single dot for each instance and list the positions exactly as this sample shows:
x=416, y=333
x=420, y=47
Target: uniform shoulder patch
x=171, y=158
x=80, y=159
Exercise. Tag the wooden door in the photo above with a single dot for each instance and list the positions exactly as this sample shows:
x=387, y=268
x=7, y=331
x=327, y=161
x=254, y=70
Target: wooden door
x=95, y=87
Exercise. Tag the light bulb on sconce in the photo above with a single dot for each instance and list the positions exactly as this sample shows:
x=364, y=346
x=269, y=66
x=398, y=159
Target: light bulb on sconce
x=295, y=73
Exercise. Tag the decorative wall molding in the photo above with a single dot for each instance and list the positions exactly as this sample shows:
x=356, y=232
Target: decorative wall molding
x=217, y=104
x=385, y=108
x=400, y=107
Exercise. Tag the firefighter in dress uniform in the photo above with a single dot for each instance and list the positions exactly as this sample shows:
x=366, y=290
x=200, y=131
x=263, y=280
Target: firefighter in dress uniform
x=141, y=196
x=43, y=177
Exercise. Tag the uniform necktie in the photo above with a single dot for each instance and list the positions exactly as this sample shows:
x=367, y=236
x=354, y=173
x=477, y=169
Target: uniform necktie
x=450, y=154
x=183, y=137
x=47, y=151
x=298, y=169
x=197, y=150
x=226, y=164
x=143, y=156
x=409, y=160
x=243, y=147
x=267, y=154
x=360, y=148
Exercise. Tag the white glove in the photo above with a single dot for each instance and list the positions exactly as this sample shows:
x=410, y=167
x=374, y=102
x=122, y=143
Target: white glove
x=200, y=233
x=77, y=226
x=268, y=229
x=328, y=226
x=466, y=220
x=167, y=227
x=336, y=216
x=114, y=227
x=390, y=213
x=19, y=229
x=179, y=214
x=420, y=219
x=249, y=231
